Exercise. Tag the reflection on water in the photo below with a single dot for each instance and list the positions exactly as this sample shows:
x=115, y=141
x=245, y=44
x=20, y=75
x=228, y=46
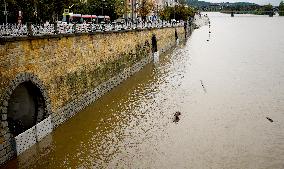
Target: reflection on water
x=224, y=88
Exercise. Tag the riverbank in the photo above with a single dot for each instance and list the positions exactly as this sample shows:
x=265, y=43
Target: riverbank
x=64, y=74
x=223, y=90
x=83, y=68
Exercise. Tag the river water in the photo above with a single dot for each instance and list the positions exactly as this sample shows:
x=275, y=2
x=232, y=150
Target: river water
x=224, y=83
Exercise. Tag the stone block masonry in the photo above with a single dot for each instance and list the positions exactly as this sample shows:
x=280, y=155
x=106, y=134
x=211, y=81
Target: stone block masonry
x=69, y=72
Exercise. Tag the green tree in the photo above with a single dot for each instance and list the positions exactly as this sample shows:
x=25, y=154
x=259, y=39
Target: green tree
x=183, y=12
x=267, y=9
x=165, y=14
x=108, y=7
x=37, y=10
x=13, y=8
x=121, y=8
x=178, y=12
x=281, y=8
x=51, y=10
x=145, y=7
x=264, y=10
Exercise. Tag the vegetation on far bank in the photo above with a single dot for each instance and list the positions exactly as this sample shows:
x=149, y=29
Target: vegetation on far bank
x=256, y=9
x=281, y=8
x=238, y=7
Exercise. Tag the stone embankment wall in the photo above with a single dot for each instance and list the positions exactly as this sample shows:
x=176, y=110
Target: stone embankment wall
x=71, y=71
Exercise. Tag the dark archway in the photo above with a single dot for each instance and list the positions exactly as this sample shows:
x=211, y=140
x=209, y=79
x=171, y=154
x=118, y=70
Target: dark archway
x=26, y=108
x=34, y=90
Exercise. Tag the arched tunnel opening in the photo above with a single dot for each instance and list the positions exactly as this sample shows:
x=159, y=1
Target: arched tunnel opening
x=26, y=108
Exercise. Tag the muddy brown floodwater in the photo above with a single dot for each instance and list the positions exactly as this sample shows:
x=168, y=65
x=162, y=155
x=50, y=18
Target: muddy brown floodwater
x=226, y=88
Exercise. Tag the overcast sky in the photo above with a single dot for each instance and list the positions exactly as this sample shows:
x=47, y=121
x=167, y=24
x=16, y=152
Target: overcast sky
x=261, y=2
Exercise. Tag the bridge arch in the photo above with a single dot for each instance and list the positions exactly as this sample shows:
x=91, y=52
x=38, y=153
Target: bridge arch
x=25, y=104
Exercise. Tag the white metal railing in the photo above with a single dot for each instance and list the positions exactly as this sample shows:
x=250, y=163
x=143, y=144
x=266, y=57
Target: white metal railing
x=16, y=30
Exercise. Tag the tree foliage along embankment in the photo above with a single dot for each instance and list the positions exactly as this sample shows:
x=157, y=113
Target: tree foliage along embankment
x=281, y=8
x=52, y=10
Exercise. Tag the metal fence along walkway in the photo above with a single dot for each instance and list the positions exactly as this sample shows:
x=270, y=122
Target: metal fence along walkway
x=15, y=30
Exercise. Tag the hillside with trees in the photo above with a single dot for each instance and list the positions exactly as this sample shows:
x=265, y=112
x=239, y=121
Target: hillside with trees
x=264, y=10
x=281, y=8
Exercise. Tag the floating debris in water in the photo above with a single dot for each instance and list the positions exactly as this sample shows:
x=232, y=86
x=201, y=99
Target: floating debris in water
x=176, y=116
x=269, y=119
x=203, y=86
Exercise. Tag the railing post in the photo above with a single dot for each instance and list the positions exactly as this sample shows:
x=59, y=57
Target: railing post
x=136, y=23
x=90, y=28
x=74, y=28
x=114, y=25
x=30, y=31
x=55, y=28
x=103, y=27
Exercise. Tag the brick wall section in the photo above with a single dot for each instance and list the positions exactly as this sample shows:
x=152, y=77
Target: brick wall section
x=72, y=71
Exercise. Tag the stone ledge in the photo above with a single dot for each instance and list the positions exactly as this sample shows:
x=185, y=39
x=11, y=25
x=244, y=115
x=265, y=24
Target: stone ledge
x=3, y=40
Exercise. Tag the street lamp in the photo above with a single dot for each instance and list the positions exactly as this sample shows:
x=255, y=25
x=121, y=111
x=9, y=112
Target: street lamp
x=103, y=2
x=174, y=9
x=133, y=9
x=35, y=14
x=5, y=11
x=157, y=12
x=122, y=3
